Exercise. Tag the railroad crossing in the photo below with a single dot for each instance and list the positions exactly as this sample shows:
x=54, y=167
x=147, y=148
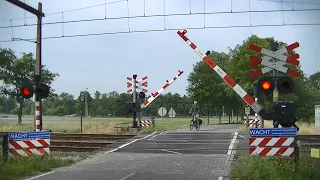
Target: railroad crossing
x=206, y=154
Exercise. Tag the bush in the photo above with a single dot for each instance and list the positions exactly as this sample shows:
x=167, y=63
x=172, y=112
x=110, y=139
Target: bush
x=275, y=168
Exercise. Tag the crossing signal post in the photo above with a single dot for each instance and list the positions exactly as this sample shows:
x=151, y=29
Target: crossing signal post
x=274, y=60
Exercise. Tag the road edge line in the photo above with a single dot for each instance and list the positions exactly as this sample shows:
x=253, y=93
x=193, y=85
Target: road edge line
x=41, y=175
x=233, y=141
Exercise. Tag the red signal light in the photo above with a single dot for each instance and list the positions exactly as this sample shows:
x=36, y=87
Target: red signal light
x=25, y=92
x=266, y=85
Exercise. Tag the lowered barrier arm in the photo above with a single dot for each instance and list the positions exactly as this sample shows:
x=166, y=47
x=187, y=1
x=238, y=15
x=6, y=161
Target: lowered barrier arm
x=156, y=94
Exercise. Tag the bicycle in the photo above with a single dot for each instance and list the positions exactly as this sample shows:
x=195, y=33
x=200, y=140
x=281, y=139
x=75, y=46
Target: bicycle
x=194, y=122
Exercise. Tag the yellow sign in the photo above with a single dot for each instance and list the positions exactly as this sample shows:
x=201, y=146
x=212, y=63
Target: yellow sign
x=315, y=153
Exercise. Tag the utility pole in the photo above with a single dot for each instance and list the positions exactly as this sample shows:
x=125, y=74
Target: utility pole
x=86, y=103
x=39, y=14
x=134, y=100
x=274, y=47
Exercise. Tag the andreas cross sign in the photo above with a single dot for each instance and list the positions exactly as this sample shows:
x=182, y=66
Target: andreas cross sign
x=278, y=55
x=141, y=84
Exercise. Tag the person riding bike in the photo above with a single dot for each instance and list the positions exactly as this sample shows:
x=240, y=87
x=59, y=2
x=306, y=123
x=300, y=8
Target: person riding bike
x=195, y=110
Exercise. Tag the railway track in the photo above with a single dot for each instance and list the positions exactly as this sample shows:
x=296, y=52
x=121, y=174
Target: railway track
x=72, y=142
x=76, y=142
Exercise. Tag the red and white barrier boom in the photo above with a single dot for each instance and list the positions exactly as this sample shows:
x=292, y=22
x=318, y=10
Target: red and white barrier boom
x=156, y=94
x=278, y=55
x=141, y=84
x=242, y=93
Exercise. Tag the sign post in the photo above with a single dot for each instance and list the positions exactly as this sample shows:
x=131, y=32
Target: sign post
x=247, y=112
x=172, y=114
x=82, y=95
x=162, y=112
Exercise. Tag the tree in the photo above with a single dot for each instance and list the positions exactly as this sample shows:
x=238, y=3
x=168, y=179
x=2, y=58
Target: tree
x=206, y=86
x=18, y=72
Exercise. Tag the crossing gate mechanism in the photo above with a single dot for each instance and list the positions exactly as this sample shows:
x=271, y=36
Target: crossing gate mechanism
x=242, y=93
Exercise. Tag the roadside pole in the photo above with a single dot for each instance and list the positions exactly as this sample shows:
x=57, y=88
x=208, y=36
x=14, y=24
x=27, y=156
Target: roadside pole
x=82, y=96
x=134, y=99
x=274, y=47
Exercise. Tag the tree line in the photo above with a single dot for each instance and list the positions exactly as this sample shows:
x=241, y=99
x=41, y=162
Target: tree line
x=204, y=85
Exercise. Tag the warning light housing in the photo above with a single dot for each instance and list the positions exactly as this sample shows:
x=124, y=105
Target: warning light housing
x=42, y=91
x=26, y=92
x=284, y=84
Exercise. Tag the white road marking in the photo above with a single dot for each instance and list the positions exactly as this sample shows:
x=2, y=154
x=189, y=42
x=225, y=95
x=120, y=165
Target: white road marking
x=242, y=136
x=233, y=141
x=170, y=151
x=153, y=136
x=220, y=178
x=127, y=144
x=127, y=176
x=41, y=175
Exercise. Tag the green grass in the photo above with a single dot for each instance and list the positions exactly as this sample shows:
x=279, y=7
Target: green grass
x=101, y=125
x=166, y=124
x=17, y=168
x=275, y=168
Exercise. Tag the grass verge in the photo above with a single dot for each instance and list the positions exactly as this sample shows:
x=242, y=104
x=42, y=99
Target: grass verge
x=17, y=168
x=275, y=168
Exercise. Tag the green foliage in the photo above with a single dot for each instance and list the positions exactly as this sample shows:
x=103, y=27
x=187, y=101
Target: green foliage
x=275, y=168
x=17, y=168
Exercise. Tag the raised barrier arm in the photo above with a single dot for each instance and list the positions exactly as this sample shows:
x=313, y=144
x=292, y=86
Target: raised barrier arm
x=156, y=94
x=238, y=89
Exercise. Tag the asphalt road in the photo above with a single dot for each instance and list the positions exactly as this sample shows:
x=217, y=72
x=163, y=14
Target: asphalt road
x=179, y=155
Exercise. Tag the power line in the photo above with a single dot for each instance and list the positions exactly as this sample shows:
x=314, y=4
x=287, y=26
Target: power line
x=71, y=10
x=114, y=2
x=166, y=15
x=168, y=29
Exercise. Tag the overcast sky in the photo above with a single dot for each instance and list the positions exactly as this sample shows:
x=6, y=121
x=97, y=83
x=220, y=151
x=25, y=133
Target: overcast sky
x=103, y=62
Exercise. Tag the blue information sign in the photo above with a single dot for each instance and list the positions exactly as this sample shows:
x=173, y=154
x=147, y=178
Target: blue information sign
x=265, y=132
x=29, y=135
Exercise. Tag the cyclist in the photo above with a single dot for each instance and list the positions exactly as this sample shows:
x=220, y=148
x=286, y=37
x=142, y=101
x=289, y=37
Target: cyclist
x=195, y=110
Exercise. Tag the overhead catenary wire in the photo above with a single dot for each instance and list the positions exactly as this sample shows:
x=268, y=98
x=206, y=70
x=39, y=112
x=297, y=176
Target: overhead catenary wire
x=119, y=1
x=164, y=15
x=71, y=10
x=167, y=15
x=171, y=29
